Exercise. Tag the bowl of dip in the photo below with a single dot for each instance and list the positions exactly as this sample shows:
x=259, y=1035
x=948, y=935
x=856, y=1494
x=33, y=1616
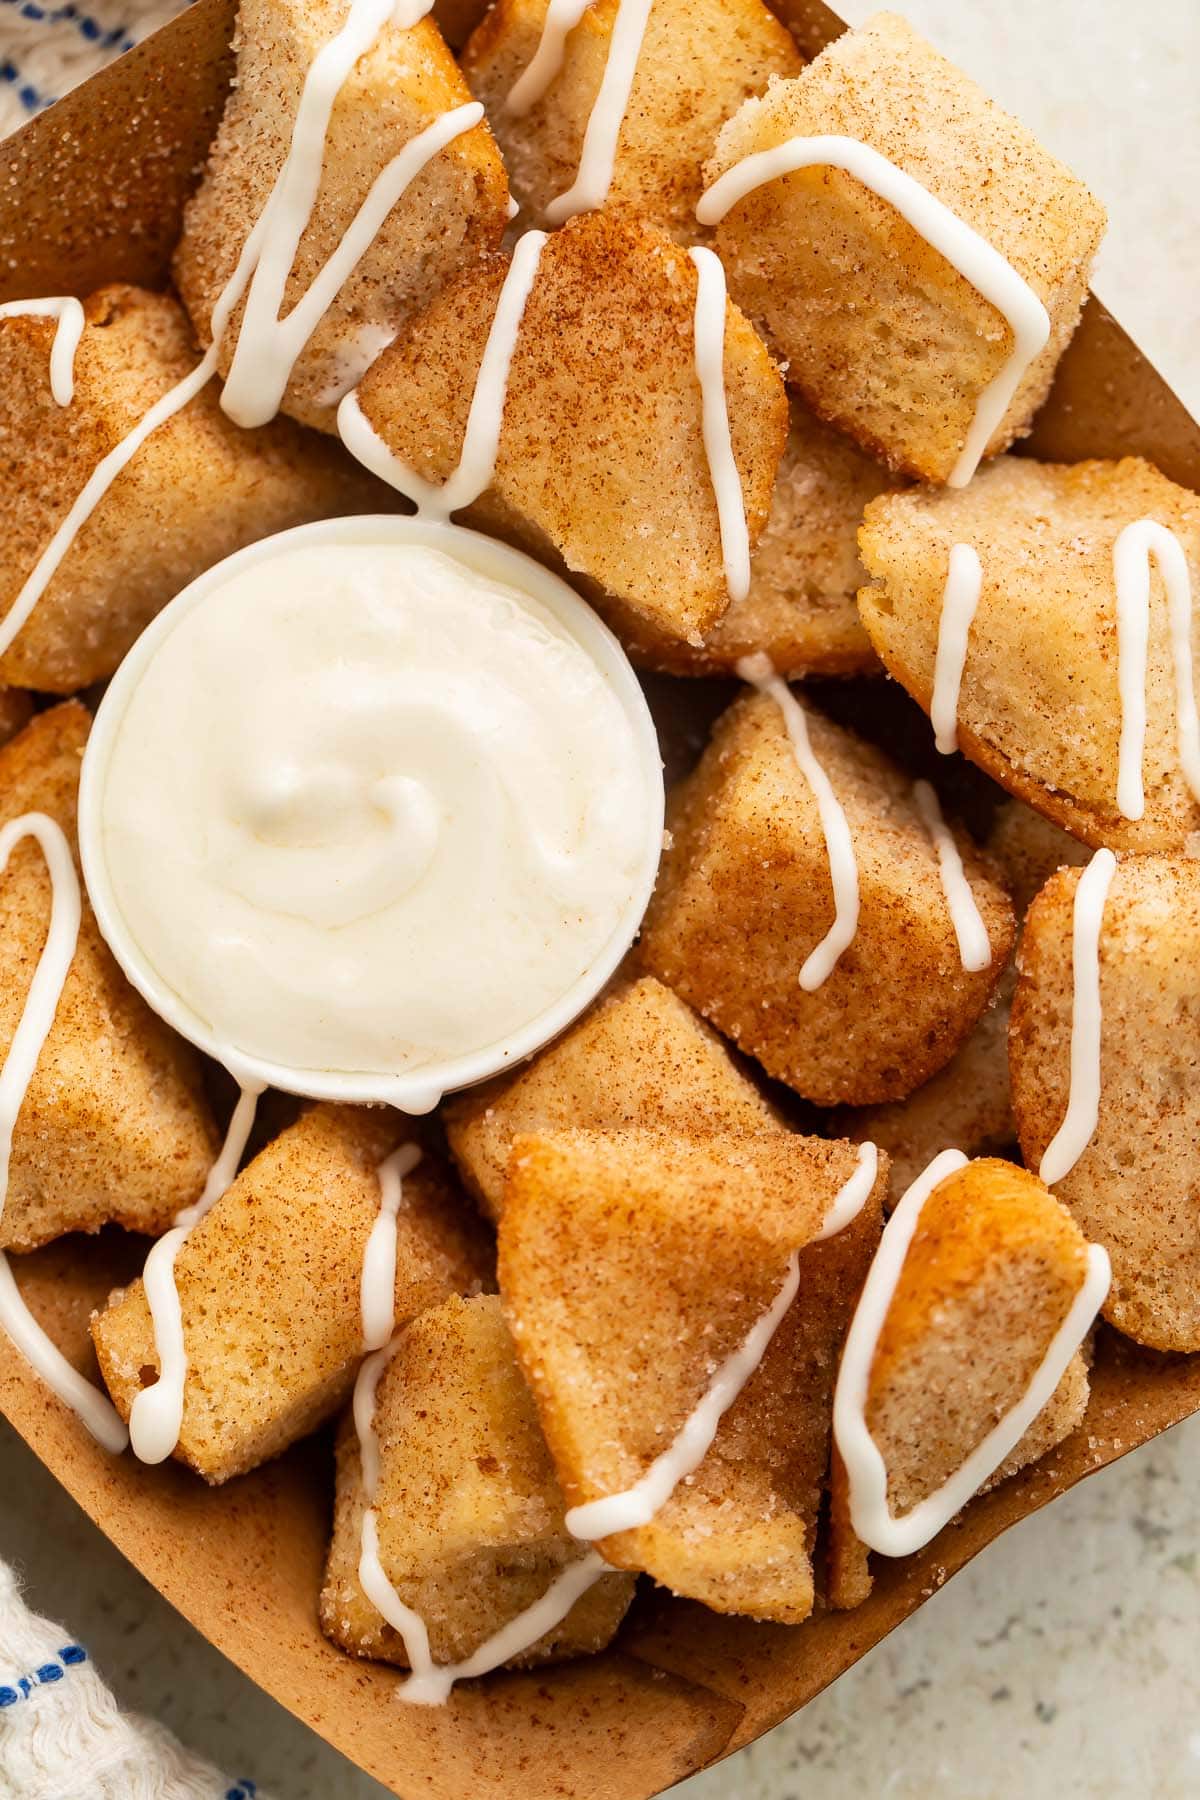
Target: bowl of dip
x=372, y=810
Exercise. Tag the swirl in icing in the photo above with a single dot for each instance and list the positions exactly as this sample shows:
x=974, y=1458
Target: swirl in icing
x=1133, y=550
x=306, y=777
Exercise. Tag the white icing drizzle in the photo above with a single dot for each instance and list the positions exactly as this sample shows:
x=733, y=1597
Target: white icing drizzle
x=268, y=346
x=638, y=1505
x=33, y=1027
x=69, y=313
x=974, y=945
x=866, y=1471
x=843, y=868
x=718, y=441
x=379, y=1258
x=1083, y=1102
x=1132, y=552
x=850, y=1199
x=93, y=491
x=977, y=261
x=960, y=599
x=157, y=1414
x=430, y=1683
x=261, y=353
x=597, y=161
x=481, y=441
x=545, y=66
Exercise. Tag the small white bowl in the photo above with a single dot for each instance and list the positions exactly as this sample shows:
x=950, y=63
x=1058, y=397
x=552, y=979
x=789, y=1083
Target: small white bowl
x=421, y=1089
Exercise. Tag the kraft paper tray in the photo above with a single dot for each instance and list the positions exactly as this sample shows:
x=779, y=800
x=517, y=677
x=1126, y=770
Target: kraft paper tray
x=92, y=192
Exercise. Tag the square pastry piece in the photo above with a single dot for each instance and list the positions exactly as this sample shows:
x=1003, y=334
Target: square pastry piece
x=745, y=896
x=640, y=1059
x=453, y=210
x=632, y=1265
x=270, y=1286
x=1040, y=705
x=601, y=455
x=880, y=332
x=114, y=1127
x=468, y=1510
x=197, y=489
x=698, y=60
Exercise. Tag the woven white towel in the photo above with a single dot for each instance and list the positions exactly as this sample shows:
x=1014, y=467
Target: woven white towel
x=62, y=1735
x=48, y=47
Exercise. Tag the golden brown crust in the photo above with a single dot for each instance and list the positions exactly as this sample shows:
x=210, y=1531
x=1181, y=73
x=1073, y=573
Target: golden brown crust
x=594, y=1222
x=991, y=1272
x=602, y=452
x=880, y=334
x=197, y=490
x=802, y=608
x=698, y=61
x=270, y=1287
x=1135, y=1187
x=967, y=1104
x=452, y=213
x=468, y=1510
x=1039, y=708
x=639, y=1060
x=744, y=894
x=114, y=1127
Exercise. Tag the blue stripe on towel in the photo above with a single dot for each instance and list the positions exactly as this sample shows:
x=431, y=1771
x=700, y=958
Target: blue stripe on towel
x=11, y=1693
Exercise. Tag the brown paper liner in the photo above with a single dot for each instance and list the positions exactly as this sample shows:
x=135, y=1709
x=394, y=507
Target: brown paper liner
x=92, y=192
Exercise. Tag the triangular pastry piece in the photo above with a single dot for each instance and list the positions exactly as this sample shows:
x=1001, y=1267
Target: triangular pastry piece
x=454, y=210
x=632, y=1266
x=114, y=1127
x=991, y=1273
x=639, y=1060
x=1135, y=1187
x=278, y=1262
x=468, y=1509
x=1039, y=701
x=801, y=609
x=745, y=897
x=698, y=60
x=601, y=455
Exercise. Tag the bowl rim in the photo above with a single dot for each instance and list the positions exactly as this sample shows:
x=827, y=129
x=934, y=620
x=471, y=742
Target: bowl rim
x=420, y=1090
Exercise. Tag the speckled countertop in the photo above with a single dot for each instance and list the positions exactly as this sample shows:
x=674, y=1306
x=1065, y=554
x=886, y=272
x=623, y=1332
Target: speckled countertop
x=1063, y=1662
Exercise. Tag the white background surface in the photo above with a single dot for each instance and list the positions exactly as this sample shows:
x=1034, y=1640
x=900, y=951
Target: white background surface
x=1063, y=1662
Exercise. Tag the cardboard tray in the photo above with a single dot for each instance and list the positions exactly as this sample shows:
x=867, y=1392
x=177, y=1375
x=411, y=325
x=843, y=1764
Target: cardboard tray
x=92, y=192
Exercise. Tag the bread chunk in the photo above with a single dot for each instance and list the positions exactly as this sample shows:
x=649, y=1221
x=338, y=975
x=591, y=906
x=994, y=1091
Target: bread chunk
x=744, y=895
x=469, y=1512
x=698, y=61
x=967, y=1104
x=631, y=1266
x=16, y=710
x=197, y=489
x=114, y=1127
x=601, y=454
x=453, y=211
x=1039, y=708
x=802, y=608
x=639, y=1060
x=880, y=333
x=1135, y=1189
x=270, y=1287
x=991, y=1273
